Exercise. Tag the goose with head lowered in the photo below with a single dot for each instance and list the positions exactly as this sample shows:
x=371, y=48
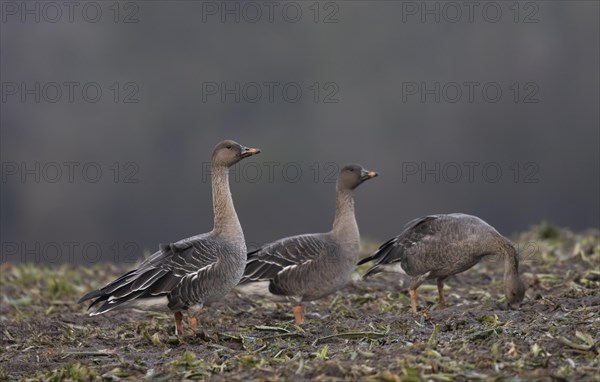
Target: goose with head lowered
x=438, y=246
x=309, y=267
x=185, y=275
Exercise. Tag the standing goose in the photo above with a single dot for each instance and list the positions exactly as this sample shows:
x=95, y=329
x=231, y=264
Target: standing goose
x=309, y=267
x=438, y=246
x=193, y=271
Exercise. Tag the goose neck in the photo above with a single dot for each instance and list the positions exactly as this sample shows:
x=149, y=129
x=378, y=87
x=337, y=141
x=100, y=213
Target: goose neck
x=226, y=220
x=511, y=262
x=345, y=220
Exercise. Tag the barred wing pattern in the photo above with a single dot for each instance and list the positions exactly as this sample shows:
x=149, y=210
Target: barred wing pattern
x=399, y=248
x=440, y=244
x=170, y=273
x=292, y=263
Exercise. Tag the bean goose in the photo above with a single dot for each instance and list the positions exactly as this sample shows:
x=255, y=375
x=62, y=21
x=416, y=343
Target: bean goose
x=183, y=276
x=312, y=266
x=438, y=246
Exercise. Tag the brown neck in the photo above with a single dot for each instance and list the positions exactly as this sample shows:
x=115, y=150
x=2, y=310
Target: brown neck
x=511, y=261
x=344, y=222
x=226, y=220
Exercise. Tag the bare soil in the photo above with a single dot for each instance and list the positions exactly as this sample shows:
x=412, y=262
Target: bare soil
x=364, y=332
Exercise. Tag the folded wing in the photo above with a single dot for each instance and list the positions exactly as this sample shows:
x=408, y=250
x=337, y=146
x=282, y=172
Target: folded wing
x=157, y=277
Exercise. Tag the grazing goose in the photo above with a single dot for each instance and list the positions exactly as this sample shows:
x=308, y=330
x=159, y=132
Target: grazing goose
x=309, y=267
x=184, y=275
x=438, y=246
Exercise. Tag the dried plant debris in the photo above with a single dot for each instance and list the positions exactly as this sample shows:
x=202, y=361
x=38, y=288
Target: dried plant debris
x=364, y=332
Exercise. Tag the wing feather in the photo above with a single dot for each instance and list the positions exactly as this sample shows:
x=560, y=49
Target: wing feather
x=398, y=248
x=159, y=275
x=272, y=260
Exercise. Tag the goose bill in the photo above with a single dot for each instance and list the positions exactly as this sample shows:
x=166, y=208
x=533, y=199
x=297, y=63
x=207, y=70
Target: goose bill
x=246, y=152
x=368, y=175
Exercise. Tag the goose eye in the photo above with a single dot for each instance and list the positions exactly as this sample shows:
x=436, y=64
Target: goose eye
x=228, y=147
x=352, y=169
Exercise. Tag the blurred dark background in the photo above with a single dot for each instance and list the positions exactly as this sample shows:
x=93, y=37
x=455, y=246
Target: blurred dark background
x=367, y=72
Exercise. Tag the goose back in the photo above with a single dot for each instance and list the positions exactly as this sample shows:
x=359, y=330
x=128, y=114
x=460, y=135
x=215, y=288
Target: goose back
x=439, y=244
x=306, y=267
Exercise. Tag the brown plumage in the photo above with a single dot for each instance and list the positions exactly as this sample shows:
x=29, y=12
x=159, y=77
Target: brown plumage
x=310, y=267
x=438, y=246
x=183, y=276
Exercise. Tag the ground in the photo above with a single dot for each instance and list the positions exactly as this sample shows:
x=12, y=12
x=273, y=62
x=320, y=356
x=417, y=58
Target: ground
x=364, y=332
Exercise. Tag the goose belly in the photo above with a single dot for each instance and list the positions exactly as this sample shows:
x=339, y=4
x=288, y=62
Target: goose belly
x=154, y=304
x=257, y=290
x=218, y=281
x=221, y=289
x=326, y=283
x=396, y=268
x=455, y=268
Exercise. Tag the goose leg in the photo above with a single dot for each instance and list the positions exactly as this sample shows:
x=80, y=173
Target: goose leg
x=298, y=315
x=442, y=301
x=412, y=289
x=178, y=324
x=193, y=323
x=413, y=300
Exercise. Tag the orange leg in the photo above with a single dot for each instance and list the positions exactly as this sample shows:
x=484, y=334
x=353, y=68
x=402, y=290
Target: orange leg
x=413, y=299
x=298, y=315
x=178, y=324
x=442, y=301
x=193, y=322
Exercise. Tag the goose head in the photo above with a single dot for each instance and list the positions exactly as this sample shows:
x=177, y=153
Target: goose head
x=352, y=175
x=228, y=152
x=514, y=289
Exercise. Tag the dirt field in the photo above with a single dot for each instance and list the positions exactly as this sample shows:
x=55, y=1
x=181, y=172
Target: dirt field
x=365, y=332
